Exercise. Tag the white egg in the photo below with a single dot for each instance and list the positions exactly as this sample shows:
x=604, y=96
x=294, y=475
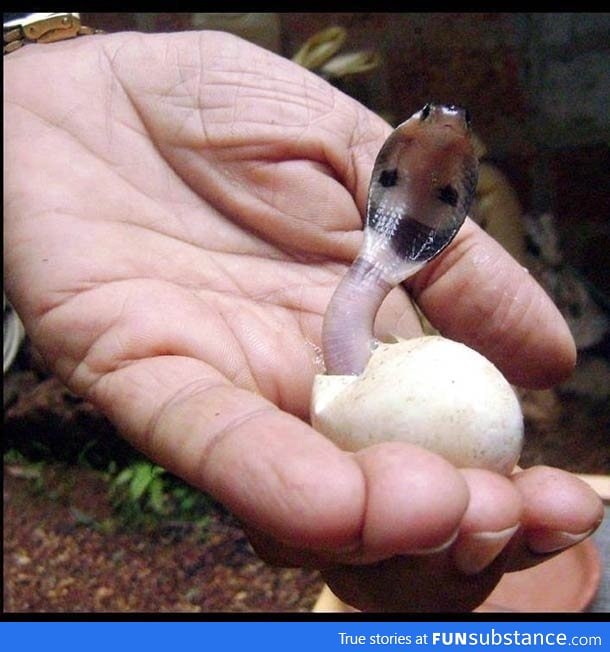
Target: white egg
x=429, y=391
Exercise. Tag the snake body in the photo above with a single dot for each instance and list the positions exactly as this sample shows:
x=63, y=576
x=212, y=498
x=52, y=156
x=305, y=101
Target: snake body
x=421, y=189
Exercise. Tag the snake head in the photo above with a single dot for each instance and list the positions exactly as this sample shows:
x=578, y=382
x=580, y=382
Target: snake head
x=422, y=187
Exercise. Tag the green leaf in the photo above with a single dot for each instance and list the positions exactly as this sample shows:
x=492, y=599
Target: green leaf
x=142, y=477
x=156, y=497
x=123, y=477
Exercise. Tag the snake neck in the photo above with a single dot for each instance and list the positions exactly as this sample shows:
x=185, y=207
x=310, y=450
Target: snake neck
x=347, y=333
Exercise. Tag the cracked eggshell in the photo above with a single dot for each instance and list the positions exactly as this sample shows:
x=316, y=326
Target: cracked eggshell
x=429, y=391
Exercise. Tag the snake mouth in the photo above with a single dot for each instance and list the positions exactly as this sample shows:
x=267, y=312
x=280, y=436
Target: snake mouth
x=449, y=115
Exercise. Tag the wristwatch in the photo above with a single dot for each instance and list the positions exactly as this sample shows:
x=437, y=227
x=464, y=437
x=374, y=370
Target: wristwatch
x=43, y=28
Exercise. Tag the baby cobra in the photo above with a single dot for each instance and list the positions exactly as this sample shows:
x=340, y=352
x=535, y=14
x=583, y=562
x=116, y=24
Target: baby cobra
x=421, y=189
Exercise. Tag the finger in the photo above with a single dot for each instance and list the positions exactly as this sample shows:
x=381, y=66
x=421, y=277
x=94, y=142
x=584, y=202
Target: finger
x=478, y=294
x=560, y=510
x=414, y=505
x=491, y=520
x=415, y=501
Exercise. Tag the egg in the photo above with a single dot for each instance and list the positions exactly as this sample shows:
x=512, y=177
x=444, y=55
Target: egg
x=430, y=391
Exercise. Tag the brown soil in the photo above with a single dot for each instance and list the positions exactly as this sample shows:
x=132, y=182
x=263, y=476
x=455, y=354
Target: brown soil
x=54, y=563
x=57, y=560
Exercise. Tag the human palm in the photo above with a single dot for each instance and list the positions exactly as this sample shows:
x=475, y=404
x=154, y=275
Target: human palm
x=178, y=211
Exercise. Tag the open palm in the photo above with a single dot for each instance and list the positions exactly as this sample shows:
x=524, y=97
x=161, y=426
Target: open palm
x=178, y=211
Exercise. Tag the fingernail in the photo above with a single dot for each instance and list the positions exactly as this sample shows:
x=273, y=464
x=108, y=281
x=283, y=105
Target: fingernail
x=477, y=550
x=545, y=541
x=432, y=551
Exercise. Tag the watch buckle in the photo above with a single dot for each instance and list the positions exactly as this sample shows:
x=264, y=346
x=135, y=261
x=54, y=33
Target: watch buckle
x=52, y=28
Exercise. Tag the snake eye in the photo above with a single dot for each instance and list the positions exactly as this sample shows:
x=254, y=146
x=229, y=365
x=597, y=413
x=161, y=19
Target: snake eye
x=425, y=112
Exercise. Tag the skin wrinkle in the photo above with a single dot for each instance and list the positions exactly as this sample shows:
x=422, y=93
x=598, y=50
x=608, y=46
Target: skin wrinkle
x=236, y=286
x=221, y=436
x=92, y=284
x=134, y=105
x=240, y=378
x=113, y=328
x=238, y=92
x=277, y=97
x=76, y=137
x=154, y=430
x=26, y=109
x=76, y=133
x=357, y=545
x=252, y=383
x=284, y=89
x=357, y=140
x=273, y=383
x=289, y=212
x=182, y=282
x=285, y=98
x=289, y=488
x=283, y=298
x=58, y=299
x=110, y=116
x=200, y=92
x=283, y=232
x=491, y=322
x=65, y=295
x=300, y=313
x=228, y=261
x=246, y=375
x=180, y=89
x=518, y=315
x=74, y=376
x=208, y=191
x=102, y=393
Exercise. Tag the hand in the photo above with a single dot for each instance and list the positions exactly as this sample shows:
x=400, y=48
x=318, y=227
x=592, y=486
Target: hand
x=178, y=211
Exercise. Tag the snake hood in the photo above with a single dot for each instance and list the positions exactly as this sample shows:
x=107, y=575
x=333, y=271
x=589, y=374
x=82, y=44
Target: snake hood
x=422, y=187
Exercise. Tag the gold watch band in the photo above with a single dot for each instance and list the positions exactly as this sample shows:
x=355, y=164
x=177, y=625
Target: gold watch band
x=43, y=28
